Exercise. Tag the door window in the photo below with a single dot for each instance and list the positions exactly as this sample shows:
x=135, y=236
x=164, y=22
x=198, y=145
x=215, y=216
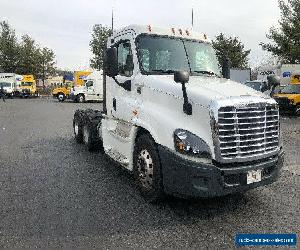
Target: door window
x=89, y=84
x=125, y=59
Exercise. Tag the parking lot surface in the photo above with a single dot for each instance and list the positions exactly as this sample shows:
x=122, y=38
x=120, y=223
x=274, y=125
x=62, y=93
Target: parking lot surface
x=54, y=193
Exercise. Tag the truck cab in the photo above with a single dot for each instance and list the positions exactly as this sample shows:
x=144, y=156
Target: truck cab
x=289, y=99
x=176, y=123
x=10, y=83
x=92, y=89
x=28, y=86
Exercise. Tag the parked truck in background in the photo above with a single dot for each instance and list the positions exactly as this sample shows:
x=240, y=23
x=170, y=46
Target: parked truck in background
x=10, y=83
x=63, y=92
x=171, y=119
x=240, y=75
x=28, y=87
x=92, y=90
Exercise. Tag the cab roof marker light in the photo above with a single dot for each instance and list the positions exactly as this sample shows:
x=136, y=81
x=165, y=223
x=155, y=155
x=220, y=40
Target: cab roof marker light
x=180, y=31
x=205, y=36
x=187, y=32
x=173, y=31
x=149, y=28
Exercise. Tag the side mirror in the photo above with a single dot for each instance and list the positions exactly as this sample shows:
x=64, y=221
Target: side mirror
x=111, y=62
x=183, y=77
x=226, y=68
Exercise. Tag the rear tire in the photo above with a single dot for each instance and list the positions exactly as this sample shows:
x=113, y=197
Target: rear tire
x=80, y=98
x=297, y=110
x=147, y=168
x=91, y=137
x=78, y=126
x=61, y=97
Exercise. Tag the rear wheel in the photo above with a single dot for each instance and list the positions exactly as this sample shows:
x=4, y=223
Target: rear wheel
x=91, y=136
x=80, y=98
x=147, y=168
x=78, y=126
x=297, y=110
x=61, y=97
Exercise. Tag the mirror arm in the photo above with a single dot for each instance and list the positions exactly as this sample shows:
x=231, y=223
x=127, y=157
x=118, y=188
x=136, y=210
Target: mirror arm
x=187, y=107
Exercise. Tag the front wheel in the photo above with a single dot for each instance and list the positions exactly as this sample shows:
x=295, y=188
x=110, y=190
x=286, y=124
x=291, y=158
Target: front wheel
x=147, y=168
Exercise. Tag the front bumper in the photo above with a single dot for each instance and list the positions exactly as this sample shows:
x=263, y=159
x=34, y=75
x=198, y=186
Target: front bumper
x=285, y=105
x=186, y=178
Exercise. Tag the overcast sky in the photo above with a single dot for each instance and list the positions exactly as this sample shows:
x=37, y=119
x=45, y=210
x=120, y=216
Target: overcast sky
x=65, y=25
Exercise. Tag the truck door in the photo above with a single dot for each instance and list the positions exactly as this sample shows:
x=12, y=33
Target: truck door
x=123, y=98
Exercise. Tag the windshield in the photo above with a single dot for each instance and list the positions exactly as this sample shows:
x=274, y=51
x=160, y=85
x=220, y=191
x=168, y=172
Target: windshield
x=5, y=84
x=26, y=84
x=254, y=85
x=165, y=55
x=291, y=89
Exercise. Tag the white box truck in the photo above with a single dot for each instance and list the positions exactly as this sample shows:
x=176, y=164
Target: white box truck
x=240, y=75
x=10, y=83
x=92, y=90
x=170, y=118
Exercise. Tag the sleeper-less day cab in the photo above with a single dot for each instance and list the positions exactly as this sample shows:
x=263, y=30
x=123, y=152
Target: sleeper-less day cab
x=173, y=120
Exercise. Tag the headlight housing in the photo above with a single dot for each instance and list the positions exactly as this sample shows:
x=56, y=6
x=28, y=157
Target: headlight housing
x=187, y=143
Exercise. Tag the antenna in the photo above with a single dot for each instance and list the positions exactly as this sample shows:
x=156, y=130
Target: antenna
x=112, y=20
x=192, y=18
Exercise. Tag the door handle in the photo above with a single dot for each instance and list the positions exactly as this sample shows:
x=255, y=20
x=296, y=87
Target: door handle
x=115, y=104
x=139, y=87
x=139, y=84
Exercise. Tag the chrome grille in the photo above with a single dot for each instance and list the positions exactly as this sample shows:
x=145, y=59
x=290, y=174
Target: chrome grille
x=248, y=131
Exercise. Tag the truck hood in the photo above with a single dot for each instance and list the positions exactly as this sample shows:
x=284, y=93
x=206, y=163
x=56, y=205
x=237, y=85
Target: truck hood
x=201, y=89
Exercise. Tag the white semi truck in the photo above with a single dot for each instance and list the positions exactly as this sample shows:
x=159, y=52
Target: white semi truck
x=10, y=83
x=170, y=118
x=92, y=90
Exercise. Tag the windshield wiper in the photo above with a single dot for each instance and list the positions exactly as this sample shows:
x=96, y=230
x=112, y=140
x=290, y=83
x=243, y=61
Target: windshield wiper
x=206, y=72
x=165, y=71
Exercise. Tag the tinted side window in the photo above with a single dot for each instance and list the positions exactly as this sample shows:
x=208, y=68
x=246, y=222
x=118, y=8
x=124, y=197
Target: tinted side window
x=125, y=59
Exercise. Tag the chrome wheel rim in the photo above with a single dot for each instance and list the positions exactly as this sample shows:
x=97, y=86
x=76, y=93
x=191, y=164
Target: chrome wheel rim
x=145, y=169
x=81, y=98
x=60, y=97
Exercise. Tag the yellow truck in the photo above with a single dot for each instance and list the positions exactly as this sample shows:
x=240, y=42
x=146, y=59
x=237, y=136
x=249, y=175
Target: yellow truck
x=28, y=87
x=288, y=99
x=63, y=92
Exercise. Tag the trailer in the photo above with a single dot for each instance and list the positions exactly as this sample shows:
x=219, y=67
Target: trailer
x=171, y=119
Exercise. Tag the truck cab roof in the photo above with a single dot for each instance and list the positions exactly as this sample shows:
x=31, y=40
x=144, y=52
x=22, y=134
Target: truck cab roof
x=153, y=30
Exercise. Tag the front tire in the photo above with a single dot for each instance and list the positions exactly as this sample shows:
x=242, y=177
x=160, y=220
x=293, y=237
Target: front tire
x=147, y=168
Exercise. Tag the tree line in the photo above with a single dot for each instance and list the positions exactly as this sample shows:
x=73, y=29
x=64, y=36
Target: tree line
x=24, y=56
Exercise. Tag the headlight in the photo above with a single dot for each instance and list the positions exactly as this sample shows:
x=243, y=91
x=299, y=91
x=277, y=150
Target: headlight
x=189, y=144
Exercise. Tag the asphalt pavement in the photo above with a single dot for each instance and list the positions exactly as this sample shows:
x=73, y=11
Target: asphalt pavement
x=55, y=194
